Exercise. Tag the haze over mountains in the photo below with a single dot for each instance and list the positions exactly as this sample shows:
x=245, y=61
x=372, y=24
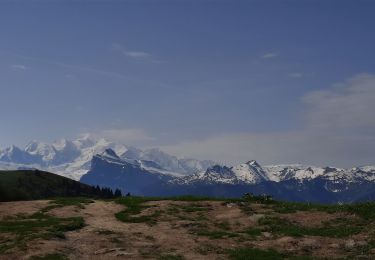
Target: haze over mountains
x=152, y=172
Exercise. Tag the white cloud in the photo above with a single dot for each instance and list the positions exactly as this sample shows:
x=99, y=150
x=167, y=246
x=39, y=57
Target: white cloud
x=270, y=55
x=295, y=75
x=350, y=104
x=135, y=54
x=339, y=130
x=18, y=67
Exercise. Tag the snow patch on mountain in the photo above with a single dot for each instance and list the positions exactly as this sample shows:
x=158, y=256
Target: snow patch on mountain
x=73, y=158
x=111, y=158
x=168, y=162
x=250, y=172
x=247, y=173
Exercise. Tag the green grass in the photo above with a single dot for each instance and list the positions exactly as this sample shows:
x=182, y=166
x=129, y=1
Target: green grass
x=192, y=198
x=39, y=225
x=252, y=232
x=224, y=225
x=173, y=210
x=193, y=208
x=262, y=254
x=170, y=257
x=216, y=234
x=150, y=238
x=77, y=201
x=247, y=209
x=253, y=254
x=62, y=202
x=134, y=207
x=105, y=232
x=179, y=211
x=284, y=227
x=364, y=210
x=55, y=256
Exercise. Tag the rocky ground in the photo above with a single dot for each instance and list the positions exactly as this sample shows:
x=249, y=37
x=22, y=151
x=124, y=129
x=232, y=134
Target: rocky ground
x=134, y=228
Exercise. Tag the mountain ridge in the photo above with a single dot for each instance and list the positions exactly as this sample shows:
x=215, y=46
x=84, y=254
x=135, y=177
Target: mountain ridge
x=72, y=158
x=154, y=172
x=296, y=183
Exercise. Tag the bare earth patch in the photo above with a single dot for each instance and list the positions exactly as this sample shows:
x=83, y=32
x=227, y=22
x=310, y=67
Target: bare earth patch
x=189, y=230
x=311, y=218
x=21, y=207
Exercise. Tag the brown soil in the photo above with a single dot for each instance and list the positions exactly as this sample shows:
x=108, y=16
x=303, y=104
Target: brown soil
x=21, y=207
x=174, y=233
x=311, y=218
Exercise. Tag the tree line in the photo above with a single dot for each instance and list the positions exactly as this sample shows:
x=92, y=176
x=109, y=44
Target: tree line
x=106, y=193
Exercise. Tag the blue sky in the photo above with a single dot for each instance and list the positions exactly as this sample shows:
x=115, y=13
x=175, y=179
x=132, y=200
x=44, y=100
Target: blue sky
x=276, y=81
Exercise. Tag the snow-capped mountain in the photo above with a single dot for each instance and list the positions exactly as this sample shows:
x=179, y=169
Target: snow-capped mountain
x=131, y=175
x=279, y=173
x=252, y=173
x=168, y=162
x=45, y=152
x=69, y=158
x=246, y=173
x=72, y=158
x=288, y=182
x=15, y=155
x=154, y=172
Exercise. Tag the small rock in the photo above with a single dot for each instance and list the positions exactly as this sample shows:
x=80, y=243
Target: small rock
x=349, y=244
x=256, y=217
x=187, y=225
x=231, y=205
x=361, y=243
x=267, y=234
x=102, y=251
x=123, y=254
x=286, y=240
x=309, y=244
x=336, y=246
x=107, y=250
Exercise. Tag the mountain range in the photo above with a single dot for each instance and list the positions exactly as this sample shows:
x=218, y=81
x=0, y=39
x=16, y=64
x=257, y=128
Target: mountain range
x=152, y=172
x=72, y=158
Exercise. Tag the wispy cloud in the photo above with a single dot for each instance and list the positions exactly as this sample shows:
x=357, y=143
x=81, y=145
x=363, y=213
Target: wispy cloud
x=135, y=54
x=101, y=72
x=82, y=68
x=270, y=55
x=295, y=75
x=18, y=67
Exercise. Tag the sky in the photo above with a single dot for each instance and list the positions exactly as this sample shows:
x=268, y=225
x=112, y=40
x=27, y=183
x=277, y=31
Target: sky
x=276, y=81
